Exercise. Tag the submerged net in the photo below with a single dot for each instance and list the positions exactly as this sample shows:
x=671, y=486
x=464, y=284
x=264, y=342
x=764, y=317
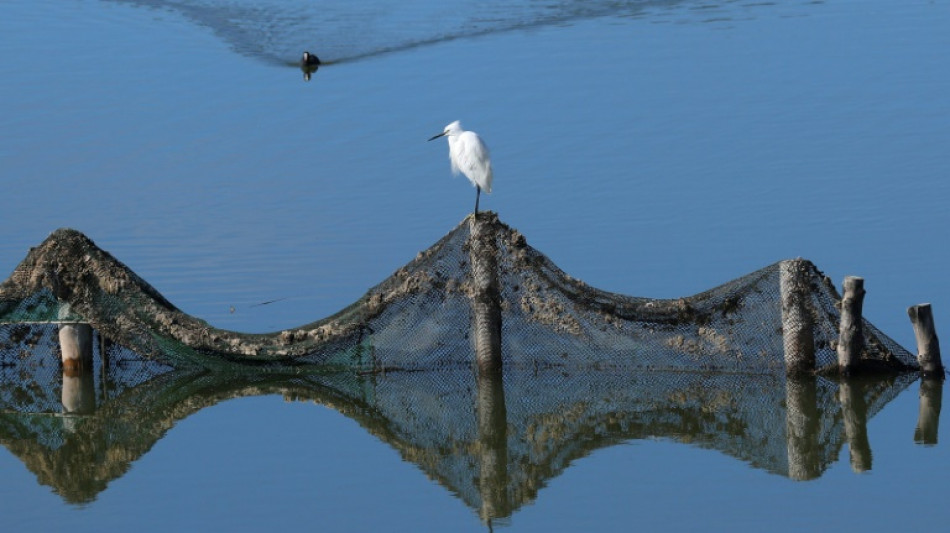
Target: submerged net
x=426, y=315
x=31, y=377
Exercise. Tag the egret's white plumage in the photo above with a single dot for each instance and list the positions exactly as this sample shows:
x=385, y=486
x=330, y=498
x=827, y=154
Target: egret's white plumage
x=469, y=155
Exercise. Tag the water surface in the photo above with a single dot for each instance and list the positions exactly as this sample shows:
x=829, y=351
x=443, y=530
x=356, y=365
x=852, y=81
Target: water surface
x=650, y=148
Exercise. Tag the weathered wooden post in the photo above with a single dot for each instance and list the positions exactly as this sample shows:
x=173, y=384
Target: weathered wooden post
x=486, y=326
x=855, y=412
x=79, y=391
x=75, y=343
x=928, y=348
x=486, y=297
x=801, y=427
x=104, y=364
x=798, y=338
x=851, y=329
x=928, y=415
x=493, y=447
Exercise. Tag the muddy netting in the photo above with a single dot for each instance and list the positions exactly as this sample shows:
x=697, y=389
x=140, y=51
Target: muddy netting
x=582, y=369
x=426, y=314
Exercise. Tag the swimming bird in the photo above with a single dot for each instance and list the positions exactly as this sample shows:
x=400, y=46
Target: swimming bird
x=309, y=60
x=468, y=155
x=309, y=64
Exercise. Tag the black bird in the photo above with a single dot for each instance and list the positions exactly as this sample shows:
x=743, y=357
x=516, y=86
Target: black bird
x=309, y=64
x=309, y=60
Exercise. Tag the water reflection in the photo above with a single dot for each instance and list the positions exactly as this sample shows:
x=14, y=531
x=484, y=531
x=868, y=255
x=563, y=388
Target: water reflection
x=803, y=425
x=931, y=397
x=492, y=447
x=525, y=429
x=347, y=31
x=854, y=409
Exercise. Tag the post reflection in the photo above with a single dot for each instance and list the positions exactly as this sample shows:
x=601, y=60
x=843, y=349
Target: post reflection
x=493, y=447
x=802, y=427
x=854, y=409
x=494, y=440
x=928, y=417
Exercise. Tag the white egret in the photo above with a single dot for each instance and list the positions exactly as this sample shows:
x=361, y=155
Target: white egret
x=468, y=155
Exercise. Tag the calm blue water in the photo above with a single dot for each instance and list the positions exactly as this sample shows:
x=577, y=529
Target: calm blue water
x=650, y=148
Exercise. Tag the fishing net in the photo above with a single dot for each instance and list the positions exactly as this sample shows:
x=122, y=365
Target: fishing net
x=582, y=368
x=432, y=314
x=31, y=377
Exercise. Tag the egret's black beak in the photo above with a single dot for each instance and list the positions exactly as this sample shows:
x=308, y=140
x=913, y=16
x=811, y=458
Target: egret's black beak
x=434, y=137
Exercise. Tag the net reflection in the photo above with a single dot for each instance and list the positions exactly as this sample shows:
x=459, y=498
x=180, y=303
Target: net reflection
x=493, y=440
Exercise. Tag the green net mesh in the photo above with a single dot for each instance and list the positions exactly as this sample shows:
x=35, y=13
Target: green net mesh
x=425, y=316
x=582, y=368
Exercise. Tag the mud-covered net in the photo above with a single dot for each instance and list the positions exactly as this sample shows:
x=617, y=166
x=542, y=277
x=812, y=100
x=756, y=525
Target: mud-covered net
x=424, y=316
x=582, y=368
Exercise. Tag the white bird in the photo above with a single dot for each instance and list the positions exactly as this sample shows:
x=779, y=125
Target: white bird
x=468, y=155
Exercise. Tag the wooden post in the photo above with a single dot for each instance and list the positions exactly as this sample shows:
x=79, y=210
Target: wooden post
x=851, y=329
x=104, y=365
x=486, y=297
x=75, y=344
x=79, y=391
x=928, y=348
x=928, y=414
x=492, y=413
x=855, y=411
x=798, y=338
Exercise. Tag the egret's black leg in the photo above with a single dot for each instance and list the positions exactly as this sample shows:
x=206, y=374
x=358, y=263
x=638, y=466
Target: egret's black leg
x=478, y=193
